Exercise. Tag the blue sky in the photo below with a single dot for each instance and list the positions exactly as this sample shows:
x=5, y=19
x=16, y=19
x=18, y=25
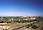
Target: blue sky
x=21, y=7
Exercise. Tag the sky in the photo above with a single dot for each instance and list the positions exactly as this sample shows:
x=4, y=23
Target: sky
x=21, y=7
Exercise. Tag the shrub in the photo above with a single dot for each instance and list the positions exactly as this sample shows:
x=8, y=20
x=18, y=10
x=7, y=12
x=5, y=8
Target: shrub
x=34, y=26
